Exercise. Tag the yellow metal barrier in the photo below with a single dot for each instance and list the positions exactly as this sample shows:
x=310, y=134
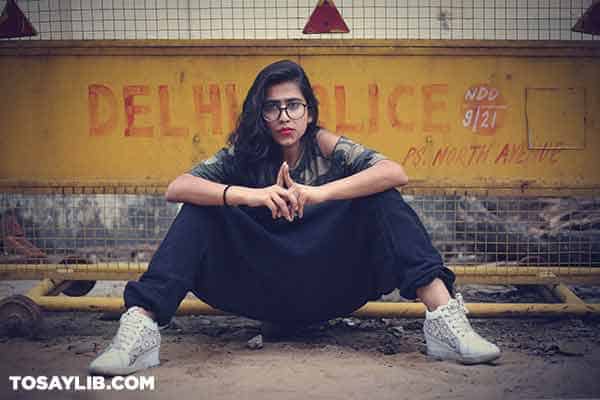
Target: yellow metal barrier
x=371, y=309
x=499, y=274
x=464, y=117
x=511, y=117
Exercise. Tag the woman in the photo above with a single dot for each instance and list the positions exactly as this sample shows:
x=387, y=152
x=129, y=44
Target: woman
x=290, y=224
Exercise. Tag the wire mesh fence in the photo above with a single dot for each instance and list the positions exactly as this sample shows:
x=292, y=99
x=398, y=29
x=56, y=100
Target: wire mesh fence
x=285, y=19
x=467, y=230
x=92, y=228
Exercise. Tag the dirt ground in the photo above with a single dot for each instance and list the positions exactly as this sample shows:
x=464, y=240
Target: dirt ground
x=347, y=358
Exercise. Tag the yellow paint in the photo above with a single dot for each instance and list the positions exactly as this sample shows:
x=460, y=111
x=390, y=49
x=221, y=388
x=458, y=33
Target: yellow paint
x=566, y=295
x=369, y=310
x=497, y=274
x=64, y=117
x=566, y=106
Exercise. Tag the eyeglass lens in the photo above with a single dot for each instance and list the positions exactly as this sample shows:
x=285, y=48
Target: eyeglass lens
x=294, y=110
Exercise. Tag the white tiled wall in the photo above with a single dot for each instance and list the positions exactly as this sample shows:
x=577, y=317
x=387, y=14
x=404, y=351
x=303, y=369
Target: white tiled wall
x=284, y=19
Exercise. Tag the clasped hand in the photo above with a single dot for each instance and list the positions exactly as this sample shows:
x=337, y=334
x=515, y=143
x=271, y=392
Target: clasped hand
x=287, y=198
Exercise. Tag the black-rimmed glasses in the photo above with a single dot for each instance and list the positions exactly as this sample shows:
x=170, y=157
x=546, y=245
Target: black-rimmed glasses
x=294, y=110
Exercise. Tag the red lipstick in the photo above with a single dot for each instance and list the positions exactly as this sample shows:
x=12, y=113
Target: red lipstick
x=286, y=131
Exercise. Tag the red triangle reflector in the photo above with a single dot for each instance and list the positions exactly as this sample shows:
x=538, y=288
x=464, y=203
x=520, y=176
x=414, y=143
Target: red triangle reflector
x=325, y=18
x=590, y=20
x=13, y=23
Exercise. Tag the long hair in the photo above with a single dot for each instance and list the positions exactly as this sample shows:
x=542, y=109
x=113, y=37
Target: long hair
x=257, y=156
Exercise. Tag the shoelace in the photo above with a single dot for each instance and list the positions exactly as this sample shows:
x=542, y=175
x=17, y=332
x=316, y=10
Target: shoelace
x=456, y=317
x=461, y=302
x=128, y=332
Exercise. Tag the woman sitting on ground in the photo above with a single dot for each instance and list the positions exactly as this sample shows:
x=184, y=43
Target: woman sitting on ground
x=290, y=224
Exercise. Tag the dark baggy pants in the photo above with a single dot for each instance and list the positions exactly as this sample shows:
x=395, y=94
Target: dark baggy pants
x=340, y=255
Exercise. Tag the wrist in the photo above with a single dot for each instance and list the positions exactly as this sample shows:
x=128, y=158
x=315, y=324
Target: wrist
x=326, y=193
x=236, y=196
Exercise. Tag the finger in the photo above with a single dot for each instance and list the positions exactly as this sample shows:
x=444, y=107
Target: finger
x=281, y=205
x=301, y=202
x=292, y=198
x=280, y=181
x=286, y=176
x=273, y=207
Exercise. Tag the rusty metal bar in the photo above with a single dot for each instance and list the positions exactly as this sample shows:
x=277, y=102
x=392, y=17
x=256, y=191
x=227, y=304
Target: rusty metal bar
x=103, y=271
x=43, y=288
x=500, y=274
x=481, y=310
x=523, y=48
x=415, y=188
x=370, y=310
x=562, y=292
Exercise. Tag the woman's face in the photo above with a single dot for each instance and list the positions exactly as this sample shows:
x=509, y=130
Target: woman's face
x=289, y=124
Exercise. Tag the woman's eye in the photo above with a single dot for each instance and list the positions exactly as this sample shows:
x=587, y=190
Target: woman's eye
x=294, y=106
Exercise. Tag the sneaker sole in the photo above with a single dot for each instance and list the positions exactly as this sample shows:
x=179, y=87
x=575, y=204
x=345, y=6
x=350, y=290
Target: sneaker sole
x=442, y=351
x=147, y=360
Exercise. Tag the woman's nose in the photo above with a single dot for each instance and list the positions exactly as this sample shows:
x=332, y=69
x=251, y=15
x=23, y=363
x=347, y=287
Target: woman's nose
x=283, y=116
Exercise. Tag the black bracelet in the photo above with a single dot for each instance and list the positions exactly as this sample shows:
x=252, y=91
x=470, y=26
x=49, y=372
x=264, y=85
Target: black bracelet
x=225, y=195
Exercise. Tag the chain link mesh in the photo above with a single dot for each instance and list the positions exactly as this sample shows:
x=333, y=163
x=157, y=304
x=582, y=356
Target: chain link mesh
x=281, y=19
x=467, y=230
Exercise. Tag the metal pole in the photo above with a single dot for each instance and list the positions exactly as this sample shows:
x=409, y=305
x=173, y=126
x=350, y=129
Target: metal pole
x=490, y=274
x=565, y=294
x=370, y=310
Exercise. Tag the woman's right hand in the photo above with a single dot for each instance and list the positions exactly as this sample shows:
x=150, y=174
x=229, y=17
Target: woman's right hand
x=276, y=198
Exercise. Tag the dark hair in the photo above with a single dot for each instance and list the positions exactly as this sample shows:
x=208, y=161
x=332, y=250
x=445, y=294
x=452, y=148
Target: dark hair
x=255, y=151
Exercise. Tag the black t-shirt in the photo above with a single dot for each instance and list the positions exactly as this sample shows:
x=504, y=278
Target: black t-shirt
x=312, y=168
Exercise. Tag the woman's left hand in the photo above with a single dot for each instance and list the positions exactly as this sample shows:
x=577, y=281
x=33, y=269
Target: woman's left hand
x=304, y=194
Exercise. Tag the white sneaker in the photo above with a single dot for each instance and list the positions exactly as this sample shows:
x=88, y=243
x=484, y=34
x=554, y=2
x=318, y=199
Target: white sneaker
x=449, y=335
x=134, y=347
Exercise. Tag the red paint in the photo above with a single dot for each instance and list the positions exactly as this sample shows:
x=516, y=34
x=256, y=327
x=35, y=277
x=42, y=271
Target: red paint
x=445, y=156
x=373, y=108
x=512, y=153
x=343, y=125
x=400, y=107
x=232, y=99
x=503, y=155
x=483, y=109
x=212, y=107
x=13, y=23
x=553, y=155
x=98, y=94
x=520, y=153
x=430, y=106
x=549, y=152
x=415, y=156
x=393, y=99
x=132, y=109
x=325, y=18
x=165, y=115
x=452, y=155
x=324, y=106
x=482, y=151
